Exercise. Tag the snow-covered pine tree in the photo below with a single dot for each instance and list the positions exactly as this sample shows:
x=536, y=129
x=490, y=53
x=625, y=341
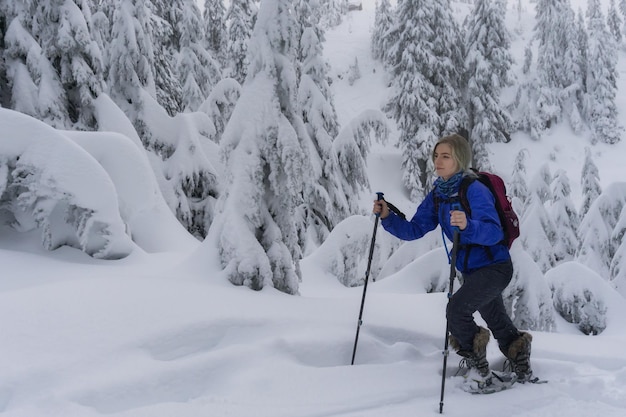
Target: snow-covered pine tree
x=618, y=263
x=426, y=99
x=354, y=72
x=325, y=203
x=558, y=74
x=538, y=233
x=517, y=187
x=594, y=242
x=590, y=181
x=239, y=18
x=597, y=230
x=582, y=40
x=525, y=103
x=197, y=70
x=565, y=218
x=215, y=35
x=34, y=86
x=449, y=68
x=601, y=111
x=488, y=60
x=190, y=186
x=540, y=184
x=622, y=10
x=64, y=32
x=131, y=58
x=573, y=79
x=309, y=17
x=219, y=107
x=527, y=298
x=352, y=147
x=332, y=12
x=256, y=229
x=101, y=30
x=579, y=296
x=4, y=83
x=614, y=23
x=383, y=20
x=164, y=32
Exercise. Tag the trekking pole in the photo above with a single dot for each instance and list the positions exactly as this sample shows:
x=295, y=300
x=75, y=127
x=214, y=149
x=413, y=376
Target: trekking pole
x=455, y=246
x=367, y=274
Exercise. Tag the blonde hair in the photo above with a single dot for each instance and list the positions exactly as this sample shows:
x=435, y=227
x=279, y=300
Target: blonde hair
x=461, y=150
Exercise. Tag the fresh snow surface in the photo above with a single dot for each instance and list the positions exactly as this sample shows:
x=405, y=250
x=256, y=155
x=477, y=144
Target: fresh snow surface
x=159, y=335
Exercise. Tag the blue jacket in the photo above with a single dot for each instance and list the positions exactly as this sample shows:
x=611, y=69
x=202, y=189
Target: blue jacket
x=483, y=228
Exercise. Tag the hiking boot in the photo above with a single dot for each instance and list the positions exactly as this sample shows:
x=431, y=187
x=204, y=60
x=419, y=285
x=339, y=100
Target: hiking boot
x=476, y=359
x=518, y=354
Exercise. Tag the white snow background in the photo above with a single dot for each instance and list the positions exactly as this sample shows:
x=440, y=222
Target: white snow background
x=162, y=333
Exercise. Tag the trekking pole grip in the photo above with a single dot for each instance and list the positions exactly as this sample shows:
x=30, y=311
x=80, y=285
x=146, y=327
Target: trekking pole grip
x=379, y=196
x=456, y=206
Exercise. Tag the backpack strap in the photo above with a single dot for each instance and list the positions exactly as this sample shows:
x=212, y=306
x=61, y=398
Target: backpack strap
x=465, y=183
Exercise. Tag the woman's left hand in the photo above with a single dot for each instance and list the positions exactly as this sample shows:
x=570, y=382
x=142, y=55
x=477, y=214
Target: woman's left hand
x=458, y=219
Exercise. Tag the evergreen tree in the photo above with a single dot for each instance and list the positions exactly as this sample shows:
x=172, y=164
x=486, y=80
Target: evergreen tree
x=354, y=72
x=352, y=147
x=324, y=201
x=582, y=40
x=131, y=57
x=383, y=20
x=190, y=188
x=308, y=17
x=219, y=106
x=65, y=36
x=580, y=296
x=601, y=228
x=332, y=12
x=558, y=73
x=256, y=228
x=240, y=17
x=538, y=233
x=33, y=85
x=426, y=62
x=517, y=187
x=565, y=218
x=614, y=23
x=590, y=181
x=540, y=184
x=525, y=103
x=527, y=298
x=622, y=10
x=594, y=237
x=165, y=33
x=618, y=263
x=52, y=62
x=5, y=97
x=601, y=110
x=101, y=30
x=215, y=28
x=196, y=69
x=488, y=61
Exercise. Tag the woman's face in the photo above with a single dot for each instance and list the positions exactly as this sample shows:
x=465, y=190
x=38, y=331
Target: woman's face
x=445, y=164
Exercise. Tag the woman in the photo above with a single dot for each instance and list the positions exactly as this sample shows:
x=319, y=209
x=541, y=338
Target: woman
x=482, y=258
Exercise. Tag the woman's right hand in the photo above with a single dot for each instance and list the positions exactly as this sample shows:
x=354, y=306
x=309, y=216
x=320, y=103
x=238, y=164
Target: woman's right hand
x=381, y=208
